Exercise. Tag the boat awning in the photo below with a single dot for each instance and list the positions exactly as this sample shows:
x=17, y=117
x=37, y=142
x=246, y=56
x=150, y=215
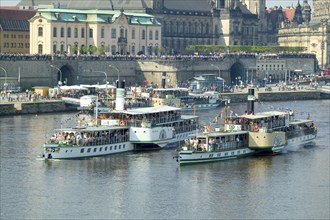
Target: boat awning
x=147, y=110
x=264, y=115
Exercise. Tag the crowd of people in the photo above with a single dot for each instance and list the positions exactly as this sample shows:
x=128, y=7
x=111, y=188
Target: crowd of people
x=118, y=57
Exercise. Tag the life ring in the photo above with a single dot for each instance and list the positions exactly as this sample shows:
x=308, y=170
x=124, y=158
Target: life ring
x=122, y=123
x=256, y=128
x=251, y=123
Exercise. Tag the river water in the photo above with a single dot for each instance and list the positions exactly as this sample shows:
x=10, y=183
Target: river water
x=151, y=185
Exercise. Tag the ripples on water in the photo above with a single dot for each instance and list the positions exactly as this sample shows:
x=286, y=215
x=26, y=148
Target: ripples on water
x=151, y=185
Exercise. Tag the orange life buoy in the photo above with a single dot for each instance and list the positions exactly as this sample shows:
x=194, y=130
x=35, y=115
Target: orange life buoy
x=122, y=123
x=256, y=128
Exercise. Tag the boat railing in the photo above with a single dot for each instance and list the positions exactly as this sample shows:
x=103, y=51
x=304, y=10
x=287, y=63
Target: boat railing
x=94, y=141
x=186, y=128
x=297, y=133
x=217, y=147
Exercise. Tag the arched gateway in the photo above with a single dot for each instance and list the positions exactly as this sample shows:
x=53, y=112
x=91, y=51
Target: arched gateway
x=65, y=75
x=237, y=73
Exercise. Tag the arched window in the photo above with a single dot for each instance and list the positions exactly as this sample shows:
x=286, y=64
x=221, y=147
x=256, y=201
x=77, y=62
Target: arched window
x=54, y=32
x=143, y=37
x=40, y=49
x=62, y=31
x=156, y=35
x=150, y=35
x=40, y=31
x=102, y=32
x=68, y=34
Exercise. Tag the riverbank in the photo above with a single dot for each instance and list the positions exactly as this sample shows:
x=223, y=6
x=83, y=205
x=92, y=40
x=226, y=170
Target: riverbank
x=49, y=106
x=35, y=107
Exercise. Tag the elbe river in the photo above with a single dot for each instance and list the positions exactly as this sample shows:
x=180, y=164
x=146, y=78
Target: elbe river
x=152, y=185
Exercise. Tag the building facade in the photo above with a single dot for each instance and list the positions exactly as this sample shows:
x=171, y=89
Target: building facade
x=66, y=31
x=312, y=34
x=15, y=31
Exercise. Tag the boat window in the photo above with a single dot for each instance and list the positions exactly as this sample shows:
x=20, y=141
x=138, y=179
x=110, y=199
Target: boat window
x=106, y=148
x=95, y=149
x=88, y=150
x=115, y=147
x=238, y=152
x=123, y=146
x=232, y=153
x=82, y=150
x=226, y=154
x=100, y=149
x=119, y=147
x=111, y=148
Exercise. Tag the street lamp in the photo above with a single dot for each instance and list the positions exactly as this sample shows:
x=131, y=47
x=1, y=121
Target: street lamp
x=223, y=81
x=324, y=23
x=106, y=78
x=5, y=84
x=60, y=82
x=115, y=69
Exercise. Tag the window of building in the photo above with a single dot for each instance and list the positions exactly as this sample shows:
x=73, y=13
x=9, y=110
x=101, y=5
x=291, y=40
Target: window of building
x=122, y=32
x=62, y=48
x=54, y=48
x=113, y=49
x=143, y=37
x=102, y=33
x=133, y=49
x=68, y=34
x=82, y=32
x=143, y=49
x=150, y=49
x=91, y=32
x=150, y=35
x=113, y=33
x=27, y=36
x=27, y=45
x=133, y=33
x=156, y=35
x=40, y=48
x=40, y=30
x=54, y=31
x=62, y=31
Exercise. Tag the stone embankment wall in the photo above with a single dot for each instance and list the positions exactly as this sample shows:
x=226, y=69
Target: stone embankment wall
x=17, y=108
x=288, y=95
x=274, y=96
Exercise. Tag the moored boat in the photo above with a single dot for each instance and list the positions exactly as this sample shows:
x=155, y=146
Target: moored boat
x=139, y=129
x=248, y=134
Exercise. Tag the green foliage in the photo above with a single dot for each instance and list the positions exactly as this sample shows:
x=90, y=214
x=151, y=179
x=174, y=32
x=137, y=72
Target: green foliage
x=240, y=48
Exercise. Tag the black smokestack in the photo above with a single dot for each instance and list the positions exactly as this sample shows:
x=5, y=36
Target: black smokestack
x=251, y=99
x=163, y=80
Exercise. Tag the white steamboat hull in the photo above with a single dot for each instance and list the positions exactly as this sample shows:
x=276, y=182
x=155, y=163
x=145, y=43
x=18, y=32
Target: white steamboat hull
x=72, y=152
x=188, y=157
x=200, y=106
x=304, y=139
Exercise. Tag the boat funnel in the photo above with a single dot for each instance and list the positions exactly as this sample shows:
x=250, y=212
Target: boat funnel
x=163, y=80
x=251, y=98
x=120, y=95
